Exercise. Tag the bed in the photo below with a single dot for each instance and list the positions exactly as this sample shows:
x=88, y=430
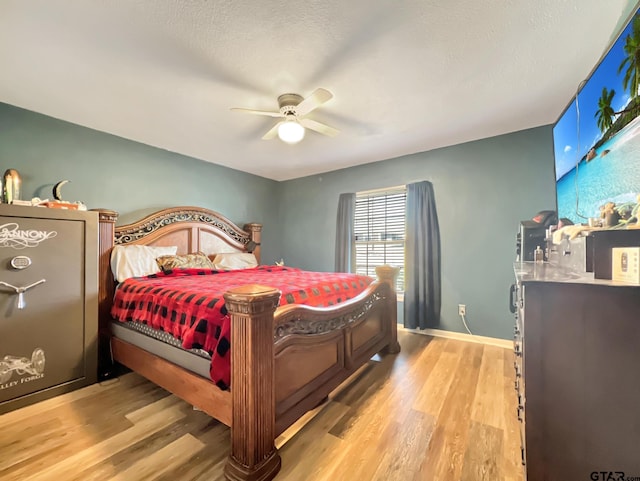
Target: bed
x=285, y=359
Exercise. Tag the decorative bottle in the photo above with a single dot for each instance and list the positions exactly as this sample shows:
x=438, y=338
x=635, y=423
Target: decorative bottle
x=538, y=255
x=12, y=183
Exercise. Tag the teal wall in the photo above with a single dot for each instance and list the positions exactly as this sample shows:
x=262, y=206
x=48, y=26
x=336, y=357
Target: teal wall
x=128, y=177
x=483, y=189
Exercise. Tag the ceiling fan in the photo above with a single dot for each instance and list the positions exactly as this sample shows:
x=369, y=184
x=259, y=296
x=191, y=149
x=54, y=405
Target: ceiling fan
x=293, y=109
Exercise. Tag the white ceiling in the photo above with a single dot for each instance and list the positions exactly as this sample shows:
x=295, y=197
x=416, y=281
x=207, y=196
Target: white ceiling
x=407, y=76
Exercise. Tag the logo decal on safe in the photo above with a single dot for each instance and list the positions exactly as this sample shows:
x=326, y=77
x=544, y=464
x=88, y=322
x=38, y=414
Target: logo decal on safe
x=12, y=236
x=30, y=369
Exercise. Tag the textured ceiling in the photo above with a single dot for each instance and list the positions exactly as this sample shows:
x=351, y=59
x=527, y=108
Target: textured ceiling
x=407, y=76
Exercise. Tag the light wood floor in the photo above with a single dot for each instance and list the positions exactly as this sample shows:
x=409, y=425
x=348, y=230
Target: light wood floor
x=442, y=410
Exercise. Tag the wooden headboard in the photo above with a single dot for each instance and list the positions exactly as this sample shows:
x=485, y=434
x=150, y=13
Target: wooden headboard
x=192, y=229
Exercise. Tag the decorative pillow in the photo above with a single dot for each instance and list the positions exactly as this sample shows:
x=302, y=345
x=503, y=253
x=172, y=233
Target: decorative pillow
x=186, y=261
x=137, y=261
x=235, y=260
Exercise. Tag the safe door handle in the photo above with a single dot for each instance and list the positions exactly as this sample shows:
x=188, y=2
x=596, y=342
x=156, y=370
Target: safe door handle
x=21, y=290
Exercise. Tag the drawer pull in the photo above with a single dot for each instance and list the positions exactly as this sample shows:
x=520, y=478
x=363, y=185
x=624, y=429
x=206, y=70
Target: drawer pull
x=512, y=304
x=21, y=290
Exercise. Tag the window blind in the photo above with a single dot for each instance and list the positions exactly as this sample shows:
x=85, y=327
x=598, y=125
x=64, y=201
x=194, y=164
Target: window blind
x=379, y=230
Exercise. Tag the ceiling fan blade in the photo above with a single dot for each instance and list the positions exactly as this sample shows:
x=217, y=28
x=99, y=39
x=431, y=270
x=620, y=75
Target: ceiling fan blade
x=257, y=112
x=273, y=133
x=313, y=101
x=318, y=127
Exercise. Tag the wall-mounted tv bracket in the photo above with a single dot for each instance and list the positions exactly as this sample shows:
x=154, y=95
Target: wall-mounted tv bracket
x=21, y=290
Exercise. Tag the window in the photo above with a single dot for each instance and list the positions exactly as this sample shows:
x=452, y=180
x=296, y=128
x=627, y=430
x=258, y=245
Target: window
x=379, y=231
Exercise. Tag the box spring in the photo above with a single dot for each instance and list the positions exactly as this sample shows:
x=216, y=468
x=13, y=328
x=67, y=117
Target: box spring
x=164, y=345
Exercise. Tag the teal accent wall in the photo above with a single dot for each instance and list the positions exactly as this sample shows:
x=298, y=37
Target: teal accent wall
x=483, y=190
x=131, y=178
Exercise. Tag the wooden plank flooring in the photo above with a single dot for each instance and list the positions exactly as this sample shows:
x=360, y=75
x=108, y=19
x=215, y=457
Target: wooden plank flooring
x=442, y=410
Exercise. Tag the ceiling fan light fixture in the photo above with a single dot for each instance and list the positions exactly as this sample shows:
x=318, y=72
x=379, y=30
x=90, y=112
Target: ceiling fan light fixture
x=291, y=131
x=293, y=111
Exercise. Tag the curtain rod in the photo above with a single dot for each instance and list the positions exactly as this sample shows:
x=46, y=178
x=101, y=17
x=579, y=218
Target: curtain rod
x=384, y=189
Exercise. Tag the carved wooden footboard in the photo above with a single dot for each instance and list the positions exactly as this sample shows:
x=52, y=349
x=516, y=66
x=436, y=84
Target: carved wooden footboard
x=285, y=360
x=317, y=349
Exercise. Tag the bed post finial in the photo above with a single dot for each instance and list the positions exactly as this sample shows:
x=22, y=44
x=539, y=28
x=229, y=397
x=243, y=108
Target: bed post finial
x=107, y=221
x=389, y=274
x=255, y=234
x=253, y=453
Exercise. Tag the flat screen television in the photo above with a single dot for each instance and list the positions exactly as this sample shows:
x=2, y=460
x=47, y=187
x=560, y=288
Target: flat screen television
x=597, y=137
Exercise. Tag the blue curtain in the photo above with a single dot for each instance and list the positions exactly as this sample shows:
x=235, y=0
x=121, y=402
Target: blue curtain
x=422, y=258
x=345, y=247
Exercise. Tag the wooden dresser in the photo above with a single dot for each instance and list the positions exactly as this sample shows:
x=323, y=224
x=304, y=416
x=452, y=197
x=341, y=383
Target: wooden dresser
x=48, y=303
x=577, y=347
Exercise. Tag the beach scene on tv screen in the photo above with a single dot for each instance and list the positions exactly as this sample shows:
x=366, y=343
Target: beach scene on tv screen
x=597, y=138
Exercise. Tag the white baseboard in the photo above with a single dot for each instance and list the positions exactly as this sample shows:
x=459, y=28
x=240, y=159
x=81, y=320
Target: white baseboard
x=461, y=336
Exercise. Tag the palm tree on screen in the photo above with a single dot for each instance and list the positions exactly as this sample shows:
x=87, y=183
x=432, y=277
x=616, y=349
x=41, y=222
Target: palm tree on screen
x=604, y=114
x=631, y=47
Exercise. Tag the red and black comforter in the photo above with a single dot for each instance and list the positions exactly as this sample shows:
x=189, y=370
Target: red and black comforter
x=188, y=303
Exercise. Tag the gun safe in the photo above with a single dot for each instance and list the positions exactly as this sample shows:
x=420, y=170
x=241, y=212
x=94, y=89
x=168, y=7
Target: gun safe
x=48, y=303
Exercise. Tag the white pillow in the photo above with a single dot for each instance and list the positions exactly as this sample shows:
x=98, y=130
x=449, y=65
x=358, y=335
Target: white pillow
x=235, y=260
x=137, y=261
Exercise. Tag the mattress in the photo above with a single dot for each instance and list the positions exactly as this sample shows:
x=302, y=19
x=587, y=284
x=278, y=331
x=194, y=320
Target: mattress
x=163, y=345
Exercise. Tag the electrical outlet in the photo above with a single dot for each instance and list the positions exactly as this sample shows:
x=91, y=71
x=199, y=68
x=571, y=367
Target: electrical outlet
x=462, y=310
